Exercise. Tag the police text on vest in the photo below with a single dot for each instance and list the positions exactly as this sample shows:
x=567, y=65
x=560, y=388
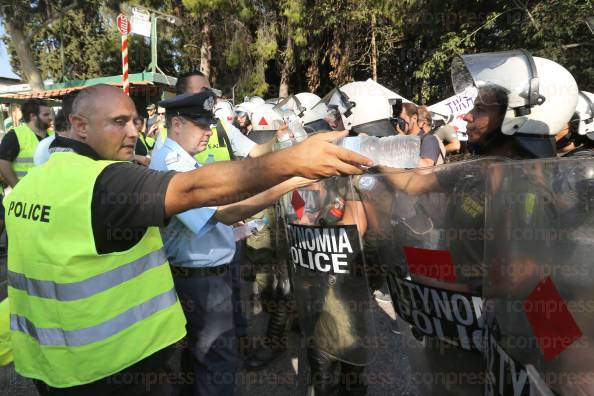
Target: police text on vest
x=30, y=211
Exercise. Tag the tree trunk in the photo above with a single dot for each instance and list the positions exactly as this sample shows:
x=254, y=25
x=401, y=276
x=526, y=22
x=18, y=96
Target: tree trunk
x=312, y=74
x=206, y=47
x=286, y=68
x=373, y=62
x=30, y=72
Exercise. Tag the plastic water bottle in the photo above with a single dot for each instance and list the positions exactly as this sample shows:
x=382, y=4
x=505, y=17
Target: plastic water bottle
x=250, y=228
x=210, y=159
x=371, y=148
x=400, y=151
x=394, y=151
x=364, y=145
x=294, y=123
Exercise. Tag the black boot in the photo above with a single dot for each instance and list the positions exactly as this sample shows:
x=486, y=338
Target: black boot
x=275, y=342
x=331, y=377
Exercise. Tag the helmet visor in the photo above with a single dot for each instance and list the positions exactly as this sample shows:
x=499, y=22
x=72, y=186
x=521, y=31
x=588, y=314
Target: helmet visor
x=379, y=128
x=291, y=103
x=585, y=115
x=339, y=100
x=317, y=126
x=512, y=71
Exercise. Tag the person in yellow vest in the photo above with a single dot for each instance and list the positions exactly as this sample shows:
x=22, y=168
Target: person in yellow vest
x=158, y=131
x=144, y=145
x=18, y=145
x=5, y=344
x=92, y=303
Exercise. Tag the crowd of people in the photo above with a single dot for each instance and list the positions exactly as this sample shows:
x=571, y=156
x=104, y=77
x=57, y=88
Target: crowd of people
x=136, y=220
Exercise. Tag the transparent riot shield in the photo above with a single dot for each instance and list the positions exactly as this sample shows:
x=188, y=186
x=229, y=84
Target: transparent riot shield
x=429, y=227
x=262, y=137
x=327, y=271
x=539, y=288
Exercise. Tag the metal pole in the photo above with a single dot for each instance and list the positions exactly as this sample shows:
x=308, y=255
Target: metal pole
x=125, y=81
x=153, y=65
x=2, y=117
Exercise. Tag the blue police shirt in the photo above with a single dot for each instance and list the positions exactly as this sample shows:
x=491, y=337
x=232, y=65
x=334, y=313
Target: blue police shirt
x=193, y=238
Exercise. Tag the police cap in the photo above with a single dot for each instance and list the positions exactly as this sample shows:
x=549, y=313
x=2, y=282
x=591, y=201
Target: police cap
x=198, y=107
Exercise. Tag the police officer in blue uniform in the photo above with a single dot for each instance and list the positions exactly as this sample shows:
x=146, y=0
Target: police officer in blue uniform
x=200, y=245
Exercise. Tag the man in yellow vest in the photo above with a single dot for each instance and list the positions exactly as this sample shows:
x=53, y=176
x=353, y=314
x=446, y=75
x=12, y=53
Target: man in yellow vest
x=18, y=146
x=92, y=303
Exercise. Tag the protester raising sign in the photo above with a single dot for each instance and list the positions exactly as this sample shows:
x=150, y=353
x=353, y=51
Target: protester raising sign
x=454, y=108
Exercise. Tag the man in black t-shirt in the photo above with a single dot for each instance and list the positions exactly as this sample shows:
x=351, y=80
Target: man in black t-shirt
x=37, y=117
x=127, y=198
x=430, y=150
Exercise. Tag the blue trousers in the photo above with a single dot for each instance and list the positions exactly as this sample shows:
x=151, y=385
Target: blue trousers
x=209, y=356
x=241, y=325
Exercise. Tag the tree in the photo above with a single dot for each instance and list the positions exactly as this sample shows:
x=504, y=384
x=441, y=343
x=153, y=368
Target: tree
x=435, y=31
x=205, y=10
x=266, y=47
x=292, y=35
x=24, y=21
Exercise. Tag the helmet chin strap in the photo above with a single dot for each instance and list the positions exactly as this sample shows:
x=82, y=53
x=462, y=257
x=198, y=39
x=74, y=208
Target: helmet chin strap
x=540, y=146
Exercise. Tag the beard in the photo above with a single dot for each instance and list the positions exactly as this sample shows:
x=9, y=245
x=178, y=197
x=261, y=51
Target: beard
x=41, y=125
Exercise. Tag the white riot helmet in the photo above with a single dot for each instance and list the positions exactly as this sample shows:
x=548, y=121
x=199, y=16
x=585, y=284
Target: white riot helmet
x=256, y=100
x=584, y=114
x=363, y=107
x=308, y=101
x=244, y=109
x=537, y=96
x=265, y=122
x=273, y=100
x=308, y=108
x=371, y=83
x=541, y=94
x=224, y=111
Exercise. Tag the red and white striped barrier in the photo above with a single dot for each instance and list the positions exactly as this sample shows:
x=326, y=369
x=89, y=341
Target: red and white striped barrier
x=124, y=28
x=125, y=82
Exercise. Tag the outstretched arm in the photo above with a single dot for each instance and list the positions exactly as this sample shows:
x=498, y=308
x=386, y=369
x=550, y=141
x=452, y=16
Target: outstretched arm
x=232, y=213
x=314, y=158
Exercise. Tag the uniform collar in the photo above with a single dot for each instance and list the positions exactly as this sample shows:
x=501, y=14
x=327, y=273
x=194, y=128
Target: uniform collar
x=174, y=146
x=61, y=143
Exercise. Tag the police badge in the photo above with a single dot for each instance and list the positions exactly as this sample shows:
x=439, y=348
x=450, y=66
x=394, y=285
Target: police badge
x=209, y=103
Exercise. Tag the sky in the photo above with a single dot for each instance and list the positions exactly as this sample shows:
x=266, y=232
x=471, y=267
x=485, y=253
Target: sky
x=5, y=70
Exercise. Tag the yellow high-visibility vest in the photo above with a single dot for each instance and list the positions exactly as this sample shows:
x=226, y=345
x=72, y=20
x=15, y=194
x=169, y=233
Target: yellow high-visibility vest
x=78, y=316
x=219, y=147
x=28, y=143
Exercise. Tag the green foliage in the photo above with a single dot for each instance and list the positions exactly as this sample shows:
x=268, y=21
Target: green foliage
x=78, y=47
x=202, y=6
x=319, y=44
x=265, y=45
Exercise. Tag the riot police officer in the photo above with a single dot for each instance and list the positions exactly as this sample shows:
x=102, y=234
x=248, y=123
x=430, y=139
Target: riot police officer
x=522, y=102
x=577, y=139
x=339, y=339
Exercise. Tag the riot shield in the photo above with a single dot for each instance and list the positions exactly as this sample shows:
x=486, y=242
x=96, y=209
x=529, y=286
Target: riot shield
x=262, y=137
x=429, y=227
x=327, y=271
x=539, y=288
